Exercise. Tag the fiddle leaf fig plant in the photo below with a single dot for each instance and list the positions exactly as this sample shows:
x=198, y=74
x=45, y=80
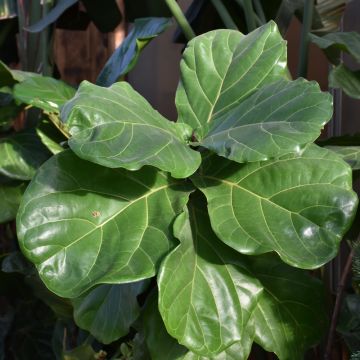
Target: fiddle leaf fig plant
x=228, y=207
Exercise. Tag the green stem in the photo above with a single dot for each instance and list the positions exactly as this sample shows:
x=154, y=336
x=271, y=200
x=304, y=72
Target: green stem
x=249, y=15
x=59, y=124
x=260, y=11
x=258, y=21
x=181, y=19
x=224, y=14
x=304, y=42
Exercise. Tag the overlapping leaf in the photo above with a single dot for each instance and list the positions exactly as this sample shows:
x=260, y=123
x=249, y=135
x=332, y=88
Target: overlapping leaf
x=287, y=314
x=108, y=311
x=350, y=154
x=275, y=120
x=347, y=80
x=60, y=7
x=157, y=338
x=335, y=42
x=43, y=92
x=21, y=155
x=206, y=294
x=222, y=68
x=125, y=56
x=298, y=205
x=117, y=127
x=82, y=224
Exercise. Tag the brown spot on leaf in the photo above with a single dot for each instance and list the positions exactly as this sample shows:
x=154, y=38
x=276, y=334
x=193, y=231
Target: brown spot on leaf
x=95, y=213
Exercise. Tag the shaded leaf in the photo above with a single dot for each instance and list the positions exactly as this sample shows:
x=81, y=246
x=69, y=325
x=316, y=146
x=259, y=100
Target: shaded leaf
x=126, y=55
x=108, y=311
x=8, y=109
x=291, y=315
x=298, y=205
x=349, y=321
x=277, y=119
x=350, y=154
x=21, y=155
x=117, y=127
x=286, y=305
x=106, y=17
x=50, y=136
x=43, y=92
x=9, y=77
x=51, y=16
x=157, y=338
x=335, y=42
x=222, y=68
x=8, y=9
x=10, y=196
x=136, y=9
x=286, y=12
x=82, y=352
x=346, y=79
x=117, y=223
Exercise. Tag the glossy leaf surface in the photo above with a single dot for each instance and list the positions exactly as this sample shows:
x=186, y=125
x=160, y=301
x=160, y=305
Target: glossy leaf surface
x=21, y=155
x=298, y=205
x=350, y=154
x=117, y=223
x=117, y=127
x=344, y=78
x=335, y=42
x=108, y=311
x=125, y=56
x=222, y=68
x=287, y=312
x=157, y=338
x=277, y=119
x=43, y=92
x=206, y=294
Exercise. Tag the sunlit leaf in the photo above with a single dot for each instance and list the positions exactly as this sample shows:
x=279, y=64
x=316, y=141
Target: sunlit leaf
x=221, y=68
x=117, y=223
x=43, y=92
x=117, y=127
x=298, y=205
x=277, y=119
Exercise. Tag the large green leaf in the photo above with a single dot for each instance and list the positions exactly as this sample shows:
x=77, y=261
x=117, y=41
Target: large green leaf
x=157, y=338
x=277, y=119
x=126, y=55
x=10, y=195
x=108, y=311
x=335, y=42
x=298, y=205
x=21, y=155
x=206, y=294
x=222, y=68
x=117, y=127
x=43, y=92
x=82, y=224
x=347, y=80
x=199, y=283
x=350, y=154
x=52, y=15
